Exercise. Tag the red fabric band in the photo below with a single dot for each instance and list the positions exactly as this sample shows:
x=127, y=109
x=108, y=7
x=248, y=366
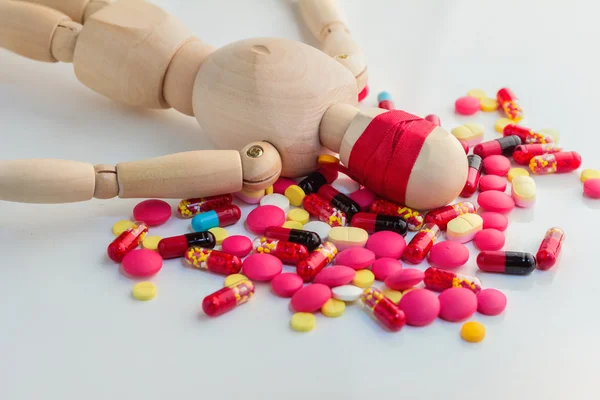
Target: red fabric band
x=383, y=156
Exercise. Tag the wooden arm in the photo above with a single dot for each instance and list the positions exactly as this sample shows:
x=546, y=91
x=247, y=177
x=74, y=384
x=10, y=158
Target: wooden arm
x=181, y=175
x=77, y=10
x=326, y=21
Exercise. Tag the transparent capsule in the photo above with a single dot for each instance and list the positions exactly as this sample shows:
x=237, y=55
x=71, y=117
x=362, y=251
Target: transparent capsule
x=316, y=261
x=228, y=298
x=413, y=218
x=439, y=280
x=526, y=135
x=550, y=248
x=320, y=208
x=383, y=309
x=441, y=216
x=510, y=104
x=418, y=248
x=339, y=200
x=213, y=260
x=555, y=163
x=525, y=152
x=127, y=241
x=187, y=208
x=288, y=252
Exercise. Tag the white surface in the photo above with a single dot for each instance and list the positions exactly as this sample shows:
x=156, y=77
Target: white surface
x=69, y=328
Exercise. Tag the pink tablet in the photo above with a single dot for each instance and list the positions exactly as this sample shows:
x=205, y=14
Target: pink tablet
x=467, y=105
x=311, y=298
x=281, y=184
x=384, y=267
x=496, y=165
x=261, y=267
x=496, y=201
x=355, y=258
x=457, y=304
x=489, y=240
x=338, y=275
x=153, y=212
x=386, y=244
x=237, y=245
x=264, y=217
x=492, y=182
x=404, y=279
x=591, y=188
x=285, y=285
x=364, y=198
x=142, y=263
x=491, y=302
x=448, y=254
x=421, y=307
x=494, y=220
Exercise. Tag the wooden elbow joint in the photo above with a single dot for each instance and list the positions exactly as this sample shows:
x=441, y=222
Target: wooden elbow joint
x=261, y=165
x=105, y=183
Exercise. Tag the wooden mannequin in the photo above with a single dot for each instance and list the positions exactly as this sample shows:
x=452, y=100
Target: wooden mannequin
x=277, y=101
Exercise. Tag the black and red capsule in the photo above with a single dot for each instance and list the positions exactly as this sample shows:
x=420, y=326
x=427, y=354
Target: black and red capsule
x=313, y=182
x=504, y=146
x=506, y=262
x=307, y=238
x=176, y=246
x=372, y=223
x=339, y=200
x=475, y=165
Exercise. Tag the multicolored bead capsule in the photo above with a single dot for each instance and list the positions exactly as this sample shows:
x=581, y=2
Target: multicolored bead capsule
x=525, y=152
x=383, y=309
x=418, y=248
x=550, y=248
x=316, y=261
x=555, y=163
x=439, y=280
x=510, y=104
x=526, y=135
x=318, y=207
x=441, y=216
x=187, y=208
x=288, y=252
x=213, y=260
x=228, y=298
x=413, y=218
x=127, y=241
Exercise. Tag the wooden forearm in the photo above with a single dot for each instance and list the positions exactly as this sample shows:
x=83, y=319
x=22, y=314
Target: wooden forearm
x=77, y=10
x=327, y=23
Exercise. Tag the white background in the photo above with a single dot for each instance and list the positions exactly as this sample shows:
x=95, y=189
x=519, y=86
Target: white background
x=69, y=328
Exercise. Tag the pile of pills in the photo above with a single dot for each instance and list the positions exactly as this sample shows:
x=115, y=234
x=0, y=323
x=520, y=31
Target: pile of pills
x=348, y=246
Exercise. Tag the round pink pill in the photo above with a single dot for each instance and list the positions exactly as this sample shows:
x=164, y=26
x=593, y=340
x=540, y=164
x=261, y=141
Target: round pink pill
x=142, y=263
x=421, y=307
x=489, y=240
x=494, y=220
x=364, y=198
x=281, y=184
x=237, y=245
x=263, y=217
x=492, y=182
x=311, y=298
x=496, y=201
x=496, y=165
x=338, y=275
x=448, y=254
x=285, y=285
x=261, y=267
x=467, y=105
x=591, y=188
x=153, y=212
x=457, y=304
x=355, y=258
x=384, y=267
x=491, y=302
x=386, y=244
x=404, y=279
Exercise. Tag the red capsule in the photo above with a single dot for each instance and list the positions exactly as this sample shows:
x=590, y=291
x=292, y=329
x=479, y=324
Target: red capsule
x=441, y=216
x=555, y=163
x=127, y=241
x=550, y=248
x=288, y=252
x=385, y=101
x=526, y=135
x=228, y=298
x=413, y=218
x=320, y=208
x=176, y=246
x=326, y=174
x=316, y=261
x=383, y=309
x=213, y=260
x=439, y=280
x=510, y=104
x=475, y=166
x=189, y=207
x=525, y=152
x=309, y=239
x=339, y=200
x=418, y=248
x=506, y=262
x=504, y=146
x=372, y=223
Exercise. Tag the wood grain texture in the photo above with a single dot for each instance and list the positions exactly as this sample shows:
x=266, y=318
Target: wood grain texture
x=181, y=175
x=27, y=29
x=106, y=185
x=73, y=8
x=319, y=15
x=275, y=90
x=334, y=125
x=95, y=6
x=124, y=50
x=261, y=164
x=46, y=181
x=181, y=75
x=64, y=40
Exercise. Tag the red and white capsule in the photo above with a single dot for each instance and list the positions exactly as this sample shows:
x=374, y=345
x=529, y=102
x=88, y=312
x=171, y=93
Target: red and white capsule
x=288, y=252
x=555, y=163
x=127, y=241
